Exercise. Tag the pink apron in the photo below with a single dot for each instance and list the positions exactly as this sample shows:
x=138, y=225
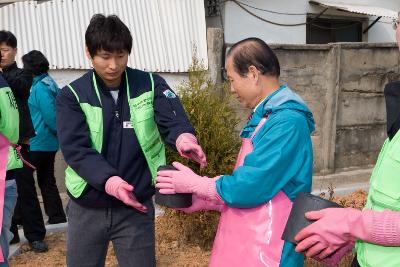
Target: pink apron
x=251, y=237
x=3, y=168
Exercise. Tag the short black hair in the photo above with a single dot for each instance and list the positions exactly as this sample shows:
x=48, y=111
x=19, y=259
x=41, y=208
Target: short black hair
x=35, y=62
x=107, y=33
x=254, y=52
x=8, y=38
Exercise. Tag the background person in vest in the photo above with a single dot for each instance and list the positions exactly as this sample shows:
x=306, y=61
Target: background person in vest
x=377, y=227
x=44, y=145
x=274, y=164
x=109, y=123
x=9, y=129
x=27, y=211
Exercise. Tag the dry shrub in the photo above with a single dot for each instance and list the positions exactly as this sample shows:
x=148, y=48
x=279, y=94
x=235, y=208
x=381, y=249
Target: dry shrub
x=355, y=200
x=210, y=110
x=173, y=250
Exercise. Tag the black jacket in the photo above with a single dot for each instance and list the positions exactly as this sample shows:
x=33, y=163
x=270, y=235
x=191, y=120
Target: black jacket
x=20, y=82
x=121, y=154
x=392, y=98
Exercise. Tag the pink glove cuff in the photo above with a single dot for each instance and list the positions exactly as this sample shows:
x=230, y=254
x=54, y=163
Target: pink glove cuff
x=209, y=190
x=385, y=227
x=188, y=137
x=113, y=184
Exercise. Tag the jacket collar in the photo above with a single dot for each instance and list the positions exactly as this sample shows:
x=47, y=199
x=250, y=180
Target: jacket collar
x=102, y=86
x=37, y=79
x=10, y=67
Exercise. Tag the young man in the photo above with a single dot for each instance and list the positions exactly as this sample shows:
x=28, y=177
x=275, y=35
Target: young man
x=110, y=123
x=9, y=132
x=28, y=208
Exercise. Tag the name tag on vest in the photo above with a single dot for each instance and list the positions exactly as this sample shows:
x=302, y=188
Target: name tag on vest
x=127, y=125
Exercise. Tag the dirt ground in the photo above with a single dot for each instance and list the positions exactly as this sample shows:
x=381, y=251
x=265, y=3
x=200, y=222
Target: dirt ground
x=191, y=256
x=166, y=257
x=169, y=253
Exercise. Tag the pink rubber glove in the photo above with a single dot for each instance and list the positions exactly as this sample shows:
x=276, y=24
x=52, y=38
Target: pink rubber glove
x=199, y=204
x=184, y=180
x=117, y=187
x=334, y=228
x=189, y=148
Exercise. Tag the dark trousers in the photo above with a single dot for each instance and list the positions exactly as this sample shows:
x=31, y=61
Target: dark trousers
x=27, y=211
x=44, y=163
x=91, y=229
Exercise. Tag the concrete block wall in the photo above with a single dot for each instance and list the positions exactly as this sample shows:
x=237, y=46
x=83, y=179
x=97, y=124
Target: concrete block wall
x=361, y=114
x=343, y=85
x=305, y=71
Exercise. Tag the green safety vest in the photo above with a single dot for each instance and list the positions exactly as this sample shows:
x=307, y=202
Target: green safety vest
x=14, y=161
x=9, y=124
x=142, y=119
x=384, y=193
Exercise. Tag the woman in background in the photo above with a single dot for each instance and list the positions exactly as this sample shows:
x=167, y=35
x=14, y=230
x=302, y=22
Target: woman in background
x=44, y=145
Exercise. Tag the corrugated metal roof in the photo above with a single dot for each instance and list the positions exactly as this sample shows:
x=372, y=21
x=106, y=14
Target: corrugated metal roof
x=360, y=9
x=164, y=31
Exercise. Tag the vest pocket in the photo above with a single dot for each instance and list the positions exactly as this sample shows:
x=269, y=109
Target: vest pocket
x=96, y=139
x=150, y=141
x=386, y=185
x=147, y=128
x=74, y=183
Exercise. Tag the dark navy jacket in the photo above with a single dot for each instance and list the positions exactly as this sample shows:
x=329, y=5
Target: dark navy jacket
x=121, y=154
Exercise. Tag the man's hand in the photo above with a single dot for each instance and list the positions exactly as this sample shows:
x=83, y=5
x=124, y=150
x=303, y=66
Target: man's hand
x=188, y=147
x=117, y=187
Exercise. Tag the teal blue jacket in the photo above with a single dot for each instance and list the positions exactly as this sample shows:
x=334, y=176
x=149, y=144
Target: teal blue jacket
x=282, y=159
x=43, y=113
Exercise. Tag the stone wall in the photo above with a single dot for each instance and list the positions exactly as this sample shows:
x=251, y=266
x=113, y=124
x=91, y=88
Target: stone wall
x=343, y=85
